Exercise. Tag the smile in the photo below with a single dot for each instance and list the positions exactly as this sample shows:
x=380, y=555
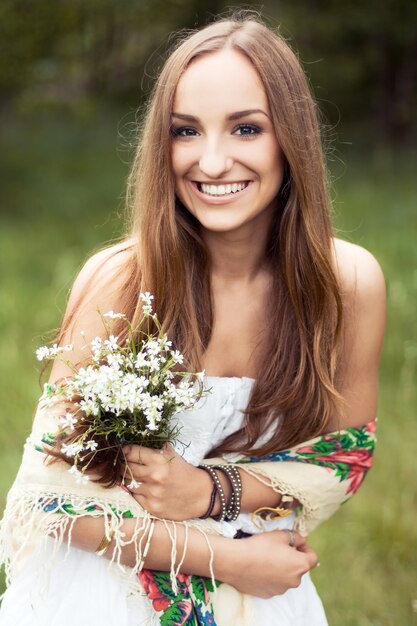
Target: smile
x=221, y=190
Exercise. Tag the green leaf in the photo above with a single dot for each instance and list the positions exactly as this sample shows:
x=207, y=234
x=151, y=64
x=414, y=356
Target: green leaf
x=209, y=584
x=163, y=582
x=199, y=588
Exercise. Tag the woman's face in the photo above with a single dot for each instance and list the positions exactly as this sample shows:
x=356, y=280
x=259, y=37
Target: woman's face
x=226, y=159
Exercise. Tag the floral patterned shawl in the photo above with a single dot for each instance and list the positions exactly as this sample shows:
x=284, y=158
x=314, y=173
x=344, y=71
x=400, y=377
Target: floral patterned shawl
x=321, y=473
x=45, y=500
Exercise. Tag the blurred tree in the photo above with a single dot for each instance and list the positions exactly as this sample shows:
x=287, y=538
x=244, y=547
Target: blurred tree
x=362, y=56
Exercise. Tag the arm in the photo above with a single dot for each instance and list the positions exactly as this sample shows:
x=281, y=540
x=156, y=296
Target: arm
x=364, y=300
x=264, y=565
x=174, y=489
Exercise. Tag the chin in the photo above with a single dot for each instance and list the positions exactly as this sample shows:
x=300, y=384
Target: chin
x=219, y=225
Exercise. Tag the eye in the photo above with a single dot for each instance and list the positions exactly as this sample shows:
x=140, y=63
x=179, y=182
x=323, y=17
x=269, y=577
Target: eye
x=183, y=131
x=247, y=130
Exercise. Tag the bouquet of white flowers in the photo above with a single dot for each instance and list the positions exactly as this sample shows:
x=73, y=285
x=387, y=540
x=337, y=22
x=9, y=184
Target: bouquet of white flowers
x=127, y=394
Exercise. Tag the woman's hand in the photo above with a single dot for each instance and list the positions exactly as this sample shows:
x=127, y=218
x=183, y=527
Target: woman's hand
x=169, y=487
x=267, y=565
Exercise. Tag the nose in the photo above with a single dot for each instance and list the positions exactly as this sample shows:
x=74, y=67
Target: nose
x=214, y=162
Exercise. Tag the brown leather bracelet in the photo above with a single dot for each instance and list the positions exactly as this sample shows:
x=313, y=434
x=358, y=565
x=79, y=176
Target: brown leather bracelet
x=219, y=489
x=212, y=500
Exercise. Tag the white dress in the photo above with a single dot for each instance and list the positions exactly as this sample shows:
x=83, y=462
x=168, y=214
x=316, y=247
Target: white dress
x=81, y=589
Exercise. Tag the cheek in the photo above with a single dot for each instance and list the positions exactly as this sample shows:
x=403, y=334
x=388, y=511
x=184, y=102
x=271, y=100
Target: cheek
x=182, y=160
x=175, y=160
x=275, y=163
x=179, y=164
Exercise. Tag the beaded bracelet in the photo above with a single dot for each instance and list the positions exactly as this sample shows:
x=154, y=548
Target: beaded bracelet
x=216, y=481
x=233, y=475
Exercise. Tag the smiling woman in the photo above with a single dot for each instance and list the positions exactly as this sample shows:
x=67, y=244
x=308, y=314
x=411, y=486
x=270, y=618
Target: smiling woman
x=232, y=236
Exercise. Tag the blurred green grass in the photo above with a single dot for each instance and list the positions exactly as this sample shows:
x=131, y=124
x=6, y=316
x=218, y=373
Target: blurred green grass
x=62, y=197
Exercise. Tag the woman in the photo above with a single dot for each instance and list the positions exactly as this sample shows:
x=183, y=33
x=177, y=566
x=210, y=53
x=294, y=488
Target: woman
x=232, y=235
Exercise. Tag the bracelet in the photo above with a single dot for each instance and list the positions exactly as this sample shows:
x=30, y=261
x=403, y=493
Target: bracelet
x=237, y=492
x=104, y=544
x=212, y=500
x=234, y=505
x=219, y=487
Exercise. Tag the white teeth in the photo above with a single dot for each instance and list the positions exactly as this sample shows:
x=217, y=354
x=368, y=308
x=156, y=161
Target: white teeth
x=222, y=190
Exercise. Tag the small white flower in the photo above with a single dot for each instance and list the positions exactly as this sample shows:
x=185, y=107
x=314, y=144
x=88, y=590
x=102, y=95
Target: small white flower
x=115, y=316
x=146, y=297
x=89, y=407
x=133, y=484
x=91, y=445
x=111, y=343
x=96, y=344
x=69, y=347
x=115, y=359
x=164, y=341
x=71, y=449
x=68, y=420
x=154, y=364
x=153, y=347
x=141, y=361
x=55, y=350
x=147, y=302
x=42, y=353
x=177, y=357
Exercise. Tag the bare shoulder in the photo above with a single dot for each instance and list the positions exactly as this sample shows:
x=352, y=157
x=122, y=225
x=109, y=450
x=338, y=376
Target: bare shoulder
x=106, y=267
x=358, y=270
x=97, y=289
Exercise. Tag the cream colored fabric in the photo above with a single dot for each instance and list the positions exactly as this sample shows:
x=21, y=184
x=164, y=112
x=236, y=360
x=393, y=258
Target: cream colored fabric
x=41, y=485
x=45, y=500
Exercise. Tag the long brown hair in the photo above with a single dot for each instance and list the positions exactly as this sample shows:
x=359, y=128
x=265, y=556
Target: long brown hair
x=295, y=388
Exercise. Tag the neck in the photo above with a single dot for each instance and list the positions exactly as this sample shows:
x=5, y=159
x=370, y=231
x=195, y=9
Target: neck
x=237, y=255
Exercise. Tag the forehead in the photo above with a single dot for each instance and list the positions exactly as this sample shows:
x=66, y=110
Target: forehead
x=220, y=82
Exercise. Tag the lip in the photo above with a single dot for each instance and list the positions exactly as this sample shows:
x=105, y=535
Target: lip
x=230, y=197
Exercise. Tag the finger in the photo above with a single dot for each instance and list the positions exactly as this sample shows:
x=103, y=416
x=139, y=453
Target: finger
x=140, y=454
x=311, y=555
x=168, y=452
x=295, y=539
x=137, y=471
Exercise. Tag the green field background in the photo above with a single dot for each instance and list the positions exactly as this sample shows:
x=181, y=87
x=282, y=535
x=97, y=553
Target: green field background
x=62, y=192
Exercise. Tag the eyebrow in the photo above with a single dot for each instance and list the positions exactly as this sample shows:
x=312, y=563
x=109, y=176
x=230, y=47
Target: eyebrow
x=231, y=118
